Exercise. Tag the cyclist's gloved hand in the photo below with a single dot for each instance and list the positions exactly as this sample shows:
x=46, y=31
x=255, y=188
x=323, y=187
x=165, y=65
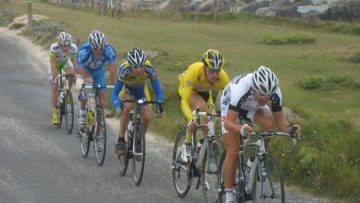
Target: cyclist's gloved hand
x=245, y=130
x=191, y=124
x=294, y=130
x=160, y=109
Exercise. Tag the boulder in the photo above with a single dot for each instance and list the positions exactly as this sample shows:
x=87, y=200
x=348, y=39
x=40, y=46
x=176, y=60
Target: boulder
x=342, y=10
x=252, y=7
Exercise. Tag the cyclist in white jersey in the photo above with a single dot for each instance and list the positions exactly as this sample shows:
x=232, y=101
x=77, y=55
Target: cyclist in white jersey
x=62, y=59
x=255, y=97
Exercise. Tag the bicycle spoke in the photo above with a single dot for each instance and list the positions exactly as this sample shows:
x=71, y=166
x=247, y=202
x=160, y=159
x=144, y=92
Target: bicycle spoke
x=182, y=174
x=209, y=173
x=69, y=112
x=100, y=137
x=139, y=154
x=269, y=185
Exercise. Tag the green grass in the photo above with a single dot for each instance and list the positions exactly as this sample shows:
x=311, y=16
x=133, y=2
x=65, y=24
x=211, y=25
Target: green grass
x=327, y=154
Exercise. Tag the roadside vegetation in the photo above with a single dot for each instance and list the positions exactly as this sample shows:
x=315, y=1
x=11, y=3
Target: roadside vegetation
x=318, y=67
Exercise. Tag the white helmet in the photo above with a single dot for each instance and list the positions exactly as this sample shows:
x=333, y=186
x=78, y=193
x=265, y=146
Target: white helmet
x=97, y=39
x=265, y=81
x=64, y=38
x=136, y=57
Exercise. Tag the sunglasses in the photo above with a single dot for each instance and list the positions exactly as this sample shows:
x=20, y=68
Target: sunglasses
x=213, y=71
x=96, y=49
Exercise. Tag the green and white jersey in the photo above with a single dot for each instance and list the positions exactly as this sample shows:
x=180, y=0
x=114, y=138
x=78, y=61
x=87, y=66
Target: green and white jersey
x=62, y=57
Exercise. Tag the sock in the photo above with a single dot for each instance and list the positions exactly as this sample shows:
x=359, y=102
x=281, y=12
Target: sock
x=229, y=195
x=82, y=111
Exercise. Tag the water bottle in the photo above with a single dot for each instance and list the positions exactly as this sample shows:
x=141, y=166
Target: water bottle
x=198, y=147
x=130, y=131
x=90, y=117
x=248, y=168
x=61, y=97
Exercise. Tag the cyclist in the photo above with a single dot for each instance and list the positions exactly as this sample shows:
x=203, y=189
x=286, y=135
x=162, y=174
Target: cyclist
x=195, y=90
x=255, y=97
x=91, y=59
x=131, y=81
x=62, y=59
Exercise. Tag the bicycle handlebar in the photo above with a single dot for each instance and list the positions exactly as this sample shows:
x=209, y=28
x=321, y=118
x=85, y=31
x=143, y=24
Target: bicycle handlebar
x=84, y=86
x=271, y=133
x=141, y=101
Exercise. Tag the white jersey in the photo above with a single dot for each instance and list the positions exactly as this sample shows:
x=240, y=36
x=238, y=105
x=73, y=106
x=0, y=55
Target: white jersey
x=239, y=96
x=61, y=56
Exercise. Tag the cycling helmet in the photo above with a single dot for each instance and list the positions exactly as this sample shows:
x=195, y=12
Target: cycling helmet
x=265, y=81
x=136, y=57
x=97, y=39
x=213, y=59
x=64, y=38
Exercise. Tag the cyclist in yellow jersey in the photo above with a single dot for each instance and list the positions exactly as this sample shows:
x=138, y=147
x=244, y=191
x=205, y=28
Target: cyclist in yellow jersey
x=195, y=90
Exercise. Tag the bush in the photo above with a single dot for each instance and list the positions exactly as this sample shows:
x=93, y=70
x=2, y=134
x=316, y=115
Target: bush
x=355, y=58
x=324, y=156
x=324, y=84
x=278, y=39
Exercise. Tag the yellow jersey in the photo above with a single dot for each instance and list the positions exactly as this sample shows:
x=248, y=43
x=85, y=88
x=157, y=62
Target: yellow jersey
x=194, y=80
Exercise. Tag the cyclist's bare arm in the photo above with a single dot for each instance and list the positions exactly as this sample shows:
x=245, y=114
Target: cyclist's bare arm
x=53, y=65
x=112, y=70
x=280, y=121
x=230, y=122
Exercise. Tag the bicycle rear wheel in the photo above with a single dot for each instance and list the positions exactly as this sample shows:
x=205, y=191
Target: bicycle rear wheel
x=69, y=112
x=100, y=137
x=269, y=186
x=181, y=172
x=209, y=172
x=139, y=154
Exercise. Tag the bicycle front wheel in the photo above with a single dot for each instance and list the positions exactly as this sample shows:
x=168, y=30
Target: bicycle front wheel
x=268, y=183
x=139, y=154
x=181, y=172
x=100, y=137
x=60, y=108
x=84, y=143
x=69, y=112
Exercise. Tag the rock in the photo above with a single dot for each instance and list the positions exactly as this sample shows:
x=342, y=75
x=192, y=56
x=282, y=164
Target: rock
x=342, y=10
x=252, y=7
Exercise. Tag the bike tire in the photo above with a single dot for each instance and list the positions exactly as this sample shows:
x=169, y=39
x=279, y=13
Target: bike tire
x=138, y=160
x=180, y=169
x=272, y=183
x=60, y=109
x=69, y=112
x=209, y=175
x=123, y=161
x=85, y=143
x=100, y=137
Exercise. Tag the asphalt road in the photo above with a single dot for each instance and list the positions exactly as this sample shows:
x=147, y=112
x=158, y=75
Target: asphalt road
x=41, y=163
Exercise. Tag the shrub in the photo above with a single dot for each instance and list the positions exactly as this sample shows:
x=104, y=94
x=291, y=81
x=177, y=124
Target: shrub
x=324, y=84
x=278, y=39
x=355, y=58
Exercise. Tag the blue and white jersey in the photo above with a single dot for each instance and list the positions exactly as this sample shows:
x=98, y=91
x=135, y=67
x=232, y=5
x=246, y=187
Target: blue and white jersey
x=88, y=60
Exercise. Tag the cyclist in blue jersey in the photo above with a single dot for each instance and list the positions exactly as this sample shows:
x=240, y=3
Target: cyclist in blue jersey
x=91, y=60
x=131, y=81
x=62, y=59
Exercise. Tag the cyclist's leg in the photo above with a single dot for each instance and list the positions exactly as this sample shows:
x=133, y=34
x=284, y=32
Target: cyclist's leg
x=196, y=100
x=146, y=110
x=83, y=99
x=124, y=121
x=53, y=99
